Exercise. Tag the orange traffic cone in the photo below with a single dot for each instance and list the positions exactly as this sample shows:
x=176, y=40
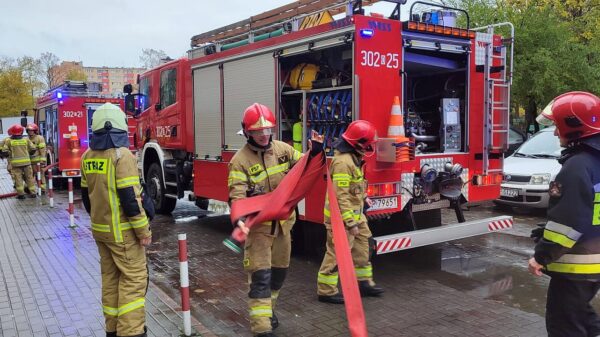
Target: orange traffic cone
x=396, y=126
x=396, y=130
x=74, y=139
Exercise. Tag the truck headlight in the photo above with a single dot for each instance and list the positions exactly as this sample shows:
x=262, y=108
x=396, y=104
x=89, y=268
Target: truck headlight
x=540, y=179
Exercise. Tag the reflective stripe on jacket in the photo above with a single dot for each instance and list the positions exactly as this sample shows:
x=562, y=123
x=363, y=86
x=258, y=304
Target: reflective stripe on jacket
x=570, y=246
x=18, y=151
x=350, y=188
x=40, y=144
x=254, y=171
x=110, y=179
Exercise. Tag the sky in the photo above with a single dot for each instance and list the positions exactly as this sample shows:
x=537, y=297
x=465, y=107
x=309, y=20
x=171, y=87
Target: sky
x=113, y=33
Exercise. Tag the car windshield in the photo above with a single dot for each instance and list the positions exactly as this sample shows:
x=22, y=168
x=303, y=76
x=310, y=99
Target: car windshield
x=542, y=145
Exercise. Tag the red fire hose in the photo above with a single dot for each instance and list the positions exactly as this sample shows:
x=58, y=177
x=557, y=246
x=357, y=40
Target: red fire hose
x=279, y=204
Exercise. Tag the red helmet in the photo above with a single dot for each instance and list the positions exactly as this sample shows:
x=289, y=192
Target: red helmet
x=258, y=117
x=15, y=130
x=361, y=135
x=576, y=115
x=32, y=126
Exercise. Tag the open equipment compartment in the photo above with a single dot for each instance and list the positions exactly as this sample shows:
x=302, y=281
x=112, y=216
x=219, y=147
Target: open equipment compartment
x=315, y=94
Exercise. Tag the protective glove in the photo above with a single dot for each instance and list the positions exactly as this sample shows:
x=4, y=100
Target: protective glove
x=538, y=233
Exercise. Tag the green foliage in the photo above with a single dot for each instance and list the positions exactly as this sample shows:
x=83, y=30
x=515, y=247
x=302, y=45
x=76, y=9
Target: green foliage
x=557, y=44
x=14, y=92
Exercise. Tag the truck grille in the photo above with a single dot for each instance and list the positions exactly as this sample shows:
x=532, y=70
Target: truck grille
x=514, y=178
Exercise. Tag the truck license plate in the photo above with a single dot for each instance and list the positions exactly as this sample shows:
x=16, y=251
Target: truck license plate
x=509, y=192
x=384, y=203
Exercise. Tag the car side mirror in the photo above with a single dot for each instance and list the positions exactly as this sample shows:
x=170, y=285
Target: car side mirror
x=130, y=103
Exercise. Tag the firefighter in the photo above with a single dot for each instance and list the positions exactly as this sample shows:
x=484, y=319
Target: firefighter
x=110, y=188
x=5, y=155
x=40, y=154
x=19, y=150
x=347, y=175
x=568, y=247
x=257, y=168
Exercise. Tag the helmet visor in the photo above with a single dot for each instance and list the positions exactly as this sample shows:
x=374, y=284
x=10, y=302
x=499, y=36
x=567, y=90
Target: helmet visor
x=262, y=132
x=546, y=118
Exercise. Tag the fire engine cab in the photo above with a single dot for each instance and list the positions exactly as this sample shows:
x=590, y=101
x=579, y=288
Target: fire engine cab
x=64, y=115
x=320, y=65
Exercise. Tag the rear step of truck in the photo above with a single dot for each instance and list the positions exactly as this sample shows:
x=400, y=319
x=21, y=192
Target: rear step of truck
x=419, y=238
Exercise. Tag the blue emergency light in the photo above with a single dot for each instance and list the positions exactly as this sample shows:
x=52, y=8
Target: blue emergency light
x=58, y=94
x=367, y=33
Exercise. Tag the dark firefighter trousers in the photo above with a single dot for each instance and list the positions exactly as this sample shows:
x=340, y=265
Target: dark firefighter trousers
x=568, y=309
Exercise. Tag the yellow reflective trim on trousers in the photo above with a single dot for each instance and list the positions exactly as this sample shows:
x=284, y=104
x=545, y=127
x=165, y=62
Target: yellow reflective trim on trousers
x=139, y=303
x=261, y=311
x=110, y=311
x=328, y=279
x=572, y=268
x=560, y=239
x=274, y=294
x=41, y=145
x=364, y=271
x=128, y=181
x=84, y=183
x=114, y=203
x=100, y=228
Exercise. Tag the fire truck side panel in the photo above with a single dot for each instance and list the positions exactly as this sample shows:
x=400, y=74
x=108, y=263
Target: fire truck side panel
x=72, y=125
x=476, y=135
x=208, y=135
x=377, y=66
x=246, y=81
x=210, y=179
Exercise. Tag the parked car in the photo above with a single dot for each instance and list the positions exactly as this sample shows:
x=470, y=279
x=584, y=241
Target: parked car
x=516, y=138
x=529, y=171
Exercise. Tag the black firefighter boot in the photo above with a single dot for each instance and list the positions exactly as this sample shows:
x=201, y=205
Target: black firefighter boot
x=274, y=322
x=335, y=299
x=111, y=334
x=366, y=289
x=265, y=334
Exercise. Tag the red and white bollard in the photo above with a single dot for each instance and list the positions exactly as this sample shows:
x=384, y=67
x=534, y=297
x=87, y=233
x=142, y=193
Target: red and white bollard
x=39, y=179
x=71, y=206
x=50, y=189
x=185, y=285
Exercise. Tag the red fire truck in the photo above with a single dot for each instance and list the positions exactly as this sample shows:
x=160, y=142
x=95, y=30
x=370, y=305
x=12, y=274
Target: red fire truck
x=64, y=115
x=453, y=86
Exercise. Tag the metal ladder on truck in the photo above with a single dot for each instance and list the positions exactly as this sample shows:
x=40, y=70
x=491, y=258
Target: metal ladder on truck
x=498, y=71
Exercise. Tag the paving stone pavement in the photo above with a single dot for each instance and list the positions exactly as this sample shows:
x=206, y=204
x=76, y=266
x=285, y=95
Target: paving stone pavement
x=415, y=304
x=50, y=281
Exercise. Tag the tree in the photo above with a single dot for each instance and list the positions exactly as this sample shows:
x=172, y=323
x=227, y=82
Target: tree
x=49, y=62
x=76, y=75
x=31, y=70
x=150, y=58
x=14, y=91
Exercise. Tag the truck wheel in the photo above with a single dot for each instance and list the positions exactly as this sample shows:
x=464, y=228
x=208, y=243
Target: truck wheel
x=156, y=190
x=201, y=203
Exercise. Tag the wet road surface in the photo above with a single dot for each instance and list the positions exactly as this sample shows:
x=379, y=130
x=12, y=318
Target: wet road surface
x=472, y=287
